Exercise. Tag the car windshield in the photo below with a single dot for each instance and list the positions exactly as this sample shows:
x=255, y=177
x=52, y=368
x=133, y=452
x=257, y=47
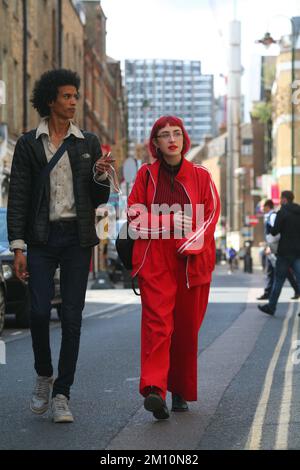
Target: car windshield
x=3, y=230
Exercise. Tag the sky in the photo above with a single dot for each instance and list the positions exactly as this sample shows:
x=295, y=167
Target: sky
x=197, y=30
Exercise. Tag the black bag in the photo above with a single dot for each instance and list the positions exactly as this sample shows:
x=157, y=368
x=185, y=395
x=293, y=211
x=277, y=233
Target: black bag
x=124, y=244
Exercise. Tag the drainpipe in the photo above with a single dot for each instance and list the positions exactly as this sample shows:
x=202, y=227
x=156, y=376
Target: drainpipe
x=60, y=33
x=25, y=61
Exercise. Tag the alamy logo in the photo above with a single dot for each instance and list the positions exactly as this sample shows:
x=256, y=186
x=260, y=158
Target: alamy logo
x=296, y=354
x=2, y=352
x=2, y=92
x=296, y=94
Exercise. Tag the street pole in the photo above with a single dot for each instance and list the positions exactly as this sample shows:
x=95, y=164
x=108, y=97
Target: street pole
x=293, y=108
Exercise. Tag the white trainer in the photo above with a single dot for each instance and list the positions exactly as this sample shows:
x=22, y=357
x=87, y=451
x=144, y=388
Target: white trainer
x=60, y=410
x=40, y=398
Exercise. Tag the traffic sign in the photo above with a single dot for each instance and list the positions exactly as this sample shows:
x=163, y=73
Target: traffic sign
x=130, y=169
x=252, y=220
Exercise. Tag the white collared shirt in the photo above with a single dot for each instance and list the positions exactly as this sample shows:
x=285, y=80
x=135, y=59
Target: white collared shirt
x=62, y=201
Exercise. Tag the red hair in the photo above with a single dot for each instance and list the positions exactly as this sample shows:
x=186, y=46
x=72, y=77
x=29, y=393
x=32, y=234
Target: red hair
x=162, y=122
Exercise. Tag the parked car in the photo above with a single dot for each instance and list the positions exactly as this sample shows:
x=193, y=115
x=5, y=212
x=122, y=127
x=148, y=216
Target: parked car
x=14, y=294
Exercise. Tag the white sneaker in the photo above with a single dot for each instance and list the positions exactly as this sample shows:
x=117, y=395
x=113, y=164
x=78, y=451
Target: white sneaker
x=60, y=410
x=40, y=398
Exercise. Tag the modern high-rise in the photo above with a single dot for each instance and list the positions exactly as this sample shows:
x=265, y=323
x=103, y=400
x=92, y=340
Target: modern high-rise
x=176, y=87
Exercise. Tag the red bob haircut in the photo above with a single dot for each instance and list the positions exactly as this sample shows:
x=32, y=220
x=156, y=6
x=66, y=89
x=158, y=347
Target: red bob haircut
x=162, y=122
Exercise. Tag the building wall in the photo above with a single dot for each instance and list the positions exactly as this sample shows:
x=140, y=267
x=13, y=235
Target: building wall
x=11, y=38
x=73, y=49
x=105, y=108
x=282, y=124
x=42, y=53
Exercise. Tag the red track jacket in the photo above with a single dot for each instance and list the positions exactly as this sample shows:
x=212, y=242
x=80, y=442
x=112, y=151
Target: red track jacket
x=199, y=245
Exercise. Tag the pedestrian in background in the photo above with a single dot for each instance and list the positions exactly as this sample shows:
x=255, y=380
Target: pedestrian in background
x=174, y=274
x=232, y=259
x=287, y=224
x=271, y=251
x=52, y=211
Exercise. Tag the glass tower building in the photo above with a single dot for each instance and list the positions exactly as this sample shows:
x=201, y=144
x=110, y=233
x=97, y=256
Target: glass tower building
x=176, y=87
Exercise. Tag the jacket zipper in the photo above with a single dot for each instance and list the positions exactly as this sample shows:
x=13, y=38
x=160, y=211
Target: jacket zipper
x=188, y=257
x=150, y=238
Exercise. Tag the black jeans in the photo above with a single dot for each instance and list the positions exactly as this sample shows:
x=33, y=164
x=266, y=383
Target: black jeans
x=62, y=250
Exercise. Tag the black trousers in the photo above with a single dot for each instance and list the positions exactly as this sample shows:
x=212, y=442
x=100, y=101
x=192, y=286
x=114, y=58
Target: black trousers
x=62, y=250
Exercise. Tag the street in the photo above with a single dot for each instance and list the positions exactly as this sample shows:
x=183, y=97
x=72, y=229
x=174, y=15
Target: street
x=248, y=385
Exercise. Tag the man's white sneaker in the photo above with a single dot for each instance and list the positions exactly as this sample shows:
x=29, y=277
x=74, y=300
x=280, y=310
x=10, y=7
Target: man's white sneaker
x=40, y=398
x=60, y=410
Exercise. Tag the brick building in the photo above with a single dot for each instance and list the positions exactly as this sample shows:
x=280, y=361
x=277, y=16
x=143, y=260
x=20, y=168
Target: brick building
x=36, y=36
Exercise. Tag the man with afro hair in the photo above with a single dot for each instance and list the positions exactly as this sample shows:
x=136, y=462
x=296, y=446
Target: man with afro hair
x=53, y=212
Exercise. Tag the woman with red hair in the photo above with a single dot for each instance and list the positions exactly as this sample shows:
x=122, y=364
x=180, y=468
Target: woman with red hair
x=173, y=209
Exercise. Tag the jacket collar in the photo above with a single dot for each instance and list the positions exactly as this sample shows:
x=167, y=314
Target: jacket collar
x=43, y=129
x=184, y=175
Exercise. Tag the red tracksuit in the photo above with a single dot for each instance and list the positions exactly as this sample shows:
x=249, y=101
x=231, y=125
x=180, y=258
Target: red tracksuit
x=174, y=278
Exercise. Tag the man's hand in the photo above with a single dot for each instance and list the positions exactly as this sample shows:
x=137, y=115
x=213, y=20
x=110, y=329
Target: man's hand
x=103, y=164
x=20, y=266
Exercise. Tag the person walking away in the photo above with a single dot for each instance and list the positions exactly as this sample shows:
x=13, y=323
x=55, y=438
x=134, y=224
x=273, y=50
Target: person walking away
x=271, y=251
x=287, y=224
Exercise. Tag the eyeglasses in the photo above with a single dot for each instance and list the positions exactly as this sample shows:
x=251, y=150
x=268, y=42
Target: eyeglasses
x=168, y=135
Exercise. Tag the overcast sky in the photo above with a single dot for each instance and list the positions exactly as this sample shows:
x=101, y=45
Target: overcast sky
x=195, y=30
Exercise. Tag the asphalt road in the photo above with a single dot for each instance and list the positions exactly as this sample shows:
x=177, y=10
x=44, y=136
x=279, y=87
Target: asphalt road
x=248, y=385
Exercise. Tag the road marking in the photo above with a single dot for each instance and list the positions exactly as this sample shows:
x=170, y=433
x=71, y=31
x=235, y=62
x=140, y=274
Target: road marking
x=255, y=434
x=105, y=313
x=282, y=434
x=119, y=309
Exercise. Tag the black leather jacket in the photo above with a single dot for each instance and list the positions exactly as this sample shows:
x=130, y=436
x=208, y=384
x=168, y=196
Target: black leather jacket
x=30, y=223
x=287, y=223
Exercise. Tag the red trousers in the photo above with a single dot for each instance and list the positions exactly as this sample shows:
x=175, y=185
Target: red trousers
x=171, y=318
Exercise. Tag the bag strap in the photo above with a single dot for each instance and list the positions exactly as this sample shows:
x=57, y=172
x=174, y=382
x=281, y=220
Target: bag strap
x=132, y=280
x=133, y=287
x=54, y=160
x=46, y=171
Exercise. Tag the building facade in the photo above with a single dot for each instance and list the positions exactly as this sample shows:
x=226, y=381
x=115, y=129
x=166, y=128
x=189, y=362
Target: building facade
x=283, y=161
x=36, y=36
x=104, y=103
x=176, y=87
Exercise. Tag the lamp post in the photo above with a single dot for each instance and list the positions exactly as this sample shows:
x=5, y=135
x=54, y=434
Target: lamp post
x=267, y=41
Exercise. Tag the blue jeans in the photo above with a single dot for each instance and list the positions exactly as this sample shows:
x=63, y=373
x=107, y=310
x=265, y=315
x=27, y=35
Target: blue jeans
x=270, y=279
x=283, y=263
x=62, y=250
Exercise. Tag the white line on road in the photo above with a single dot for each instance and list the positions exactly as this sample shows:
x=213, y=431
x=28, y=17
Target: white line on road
x=282, y=434
x=255, y=434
